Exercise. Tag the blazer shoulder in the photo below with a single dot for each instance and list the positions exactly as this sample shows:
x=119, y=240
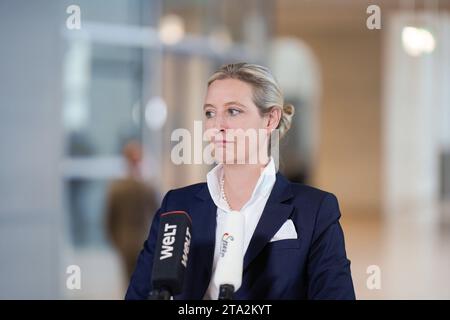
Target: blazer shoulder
x=323, y=206
x=181, y=198
x=315, y=199
x=188, y=191
x=185, y=194
x=304, y=191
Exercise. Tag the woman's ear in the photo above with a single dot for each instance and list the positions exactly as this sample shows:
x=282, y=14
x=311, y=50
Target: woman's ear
x=273, y=118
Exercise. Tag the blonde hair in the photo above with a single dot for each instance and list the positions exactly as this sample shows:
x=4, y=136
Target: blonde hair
x=266, y=91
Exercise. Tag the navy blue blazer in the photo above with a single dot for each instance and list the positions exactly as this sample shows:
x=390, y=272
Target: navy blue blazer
x=314, y=266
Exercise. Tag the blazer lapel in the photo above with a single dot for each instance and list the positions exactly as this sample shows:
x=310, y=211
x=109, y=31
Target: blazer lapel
x=274, y=215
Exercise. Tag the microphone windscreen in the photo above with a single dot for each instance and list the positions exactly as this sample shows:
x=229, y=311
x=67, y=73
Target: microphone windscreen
x=231, y=254
x=172, y=251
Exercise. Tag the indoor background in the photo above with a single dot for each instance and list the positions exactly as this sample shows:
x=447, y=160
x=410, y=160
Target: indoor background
x=372, y=126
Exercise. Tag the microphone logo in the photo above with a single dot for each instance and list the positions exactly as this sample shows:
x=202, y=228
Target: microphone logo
x=187, y=244
x=226, y=238
x=168, y=240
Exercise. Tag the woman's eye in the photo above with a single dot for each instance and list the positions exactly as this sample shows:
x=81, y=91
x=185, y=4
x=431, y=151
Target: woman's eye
x=209, y=114
x=234, y=112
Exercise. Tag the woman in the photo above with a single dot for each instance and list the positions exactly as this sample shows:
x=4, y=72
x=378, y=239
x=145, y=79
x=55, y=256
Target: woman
x=294, y=245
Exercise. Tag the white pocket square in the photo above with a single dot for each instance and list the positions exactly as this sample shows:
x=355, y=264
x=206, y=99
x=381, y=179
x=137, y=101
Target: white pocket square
x=287, y=231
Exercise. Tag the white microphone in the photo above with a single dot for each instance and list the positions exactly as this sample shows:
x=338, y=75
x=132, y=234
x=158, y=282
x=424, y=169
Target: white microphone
x=228, y=273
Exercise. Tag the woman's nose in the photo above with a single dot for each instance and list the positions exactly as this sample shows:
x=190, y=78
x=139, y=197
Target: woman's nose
x=221, y=123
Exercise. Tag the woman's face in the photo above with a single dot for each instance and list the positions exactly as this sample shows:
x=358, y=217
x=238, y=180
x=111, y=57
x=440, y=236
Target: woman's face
x=233, y=124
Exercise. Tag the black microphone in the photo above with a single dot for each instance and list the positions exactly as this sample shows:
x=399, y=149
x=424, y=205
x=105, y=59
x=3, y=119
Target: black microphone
x=171, y=255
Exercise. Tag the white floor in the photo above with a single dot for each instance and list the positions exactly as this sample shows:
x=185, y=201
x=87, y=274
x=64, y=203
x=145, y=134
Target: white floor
x=412, y=251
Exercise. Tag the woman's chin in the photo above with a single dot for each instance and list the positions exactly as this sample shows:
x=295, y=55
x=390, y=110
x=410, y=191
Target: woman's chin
x=229, y=161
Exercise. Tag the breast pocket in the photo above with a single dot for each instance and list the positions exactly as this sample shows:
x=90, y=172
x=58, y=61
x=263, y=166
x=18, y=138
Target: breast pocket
x=284, y=244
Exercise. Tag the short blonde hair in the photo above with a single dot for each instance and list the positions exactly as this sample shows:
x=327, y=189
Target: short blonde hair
x=266, y=91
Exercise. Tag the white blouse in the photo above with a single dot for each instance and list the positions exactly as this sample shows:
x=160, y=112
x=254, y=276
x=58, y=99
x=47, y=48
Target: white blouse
x=252, y=210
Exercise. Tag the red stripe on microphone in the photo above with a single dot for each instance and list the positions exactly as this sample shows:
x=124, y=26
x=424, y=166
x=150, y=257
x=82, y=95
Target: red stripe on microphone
x=177, y=212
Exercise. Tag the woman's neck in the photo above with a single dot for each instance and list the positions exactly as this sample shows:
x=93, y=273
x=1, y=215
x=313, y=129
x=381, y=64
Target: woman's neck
x=240, y=180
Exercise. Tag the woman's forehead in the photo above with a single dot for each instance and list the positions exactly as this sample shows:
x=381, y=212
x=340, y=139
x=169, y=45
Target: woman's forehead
x=228, y=91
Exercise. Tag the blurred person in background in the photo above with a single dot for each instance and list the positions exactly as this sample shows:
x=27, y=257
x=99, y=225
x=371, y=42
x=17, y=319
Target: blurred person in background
x=130, y=206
